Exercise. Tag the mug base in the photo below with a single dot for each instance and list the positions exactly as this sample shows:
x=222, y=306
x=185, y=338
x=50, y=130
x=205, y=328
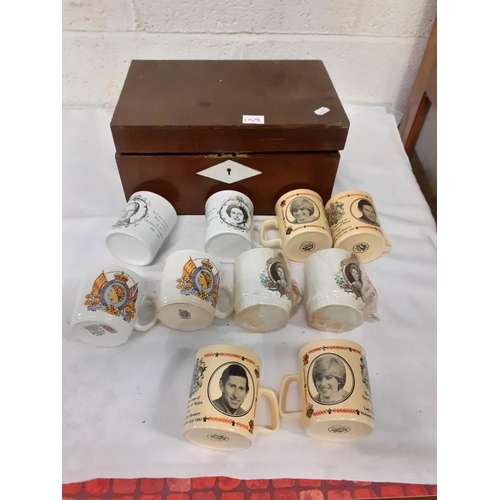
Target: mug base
x=226, y=247
x=336, y=318
x=99, y=334
x=184, y=317
x=217, y=439
x=298, y=248
x=339, y=430
x=128, y=249
x=367, y=246
x=261, y=318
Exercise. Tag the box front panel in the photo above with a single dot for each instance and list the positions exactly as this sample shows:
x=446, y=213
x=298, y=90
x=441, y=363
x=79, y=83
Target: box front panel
x=263, y=178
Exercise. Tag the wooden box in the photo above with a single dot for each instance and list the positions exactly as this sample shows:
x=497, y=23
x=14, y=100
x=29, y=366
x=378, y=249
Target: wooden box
x=255, y=122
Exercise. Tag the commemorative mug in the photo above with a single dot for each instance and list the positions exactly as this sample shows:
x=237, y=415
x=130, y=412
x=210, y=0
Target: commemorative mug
x=338, y=294
x=141, y=229
x=265, y=295
x=222, y=406
x=107, y=307
x=229, y=225
x=189, y=291
x=335, y=395
x=355, y=226
x=301, y=223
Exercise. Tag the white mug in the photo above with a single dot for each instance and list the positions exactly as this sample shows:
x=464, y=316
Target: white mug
x=189, y=291
x=335, y=391
x=229, y=225
x=265, y=296
x=339, y=295
x=107, y=307
x=143, y=226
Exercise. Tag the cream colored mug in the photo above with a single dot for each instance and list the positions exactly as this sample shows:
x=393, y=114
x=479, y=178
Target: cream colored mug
x=355, y=226
x=335, y=391
x=302, y=225
x=222, y=406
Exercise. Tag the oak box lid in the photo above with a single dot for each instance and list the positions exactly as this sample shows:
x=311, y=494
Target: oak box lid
x=198, y=107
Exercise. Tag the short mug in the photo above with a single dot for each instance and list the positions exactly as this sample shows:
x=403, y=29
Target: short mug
x=229, y=225
x=143, y=226
x=302, y=225
x=355, y=226
x=107, y=307
x=265, y=295
x=222, y=406
x=335, y=394
x=338, y=294
x=189, y=291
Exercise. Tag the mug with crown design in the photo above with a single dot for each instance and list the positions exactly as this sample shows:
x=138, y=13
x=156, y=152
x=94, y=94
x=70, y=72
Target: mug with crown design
x=107, y=308
x=189, y=291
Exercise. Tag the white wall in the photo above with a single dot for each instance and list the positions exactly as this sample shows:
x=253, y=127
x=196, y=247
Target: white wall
x=371, y=48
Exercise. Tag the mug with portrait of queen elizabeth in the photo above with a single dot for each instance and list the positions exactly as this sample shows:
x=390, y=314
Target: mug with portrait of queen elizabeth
x=229, y=225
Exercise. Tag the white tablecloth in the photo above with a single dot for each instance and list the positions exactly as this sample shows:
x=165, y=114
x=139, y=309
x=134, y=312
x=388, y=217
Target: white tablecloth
x=123, y=407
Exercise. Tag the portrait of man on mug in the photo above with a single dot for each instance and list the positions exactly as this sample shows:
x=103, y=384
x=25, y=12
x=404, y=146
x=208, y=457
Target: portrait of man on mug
x=368, y=213
x=234, y=387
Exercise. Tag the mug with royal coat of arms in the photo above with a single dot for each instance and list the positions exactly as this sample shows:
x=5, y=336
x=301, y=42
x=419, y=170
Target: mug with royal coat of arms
x=189, y=291
x=107, y=308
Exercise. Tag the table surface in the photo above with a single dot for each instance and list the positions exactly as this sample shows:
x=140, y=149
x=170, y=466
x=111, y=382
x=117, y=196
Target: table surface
x=123, y=407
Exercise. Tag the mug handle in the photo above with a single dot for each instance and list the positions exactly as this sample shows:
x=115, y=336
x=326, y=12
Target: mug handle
x=256, y=229
x=269, y=243
x=147, y=326
x=297, y=298
x=388, y=245
x=224, y=314
x=275, y=416
x=283, y=392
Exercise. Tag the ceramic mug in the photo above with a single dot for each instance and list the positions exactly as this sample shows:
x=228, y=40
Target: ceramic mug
x=265, y=295
x=189, y=291
x=223, y=398
x=338, y=293
x=229, y=225
x=302, y=225
x=106, y=310
x=355, y=226
x=141, y=229
x=336, y=402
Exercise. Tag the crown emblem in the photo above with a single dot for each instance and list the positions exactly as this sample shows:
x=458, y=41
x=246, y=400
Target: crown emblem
x=121, y=277
x=207, y=264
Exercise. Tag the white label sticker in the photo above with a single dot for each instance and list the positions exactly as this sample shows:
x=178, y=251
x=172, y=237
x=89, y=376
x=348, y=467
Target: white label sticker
x=253, y=119
x=321, y=111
